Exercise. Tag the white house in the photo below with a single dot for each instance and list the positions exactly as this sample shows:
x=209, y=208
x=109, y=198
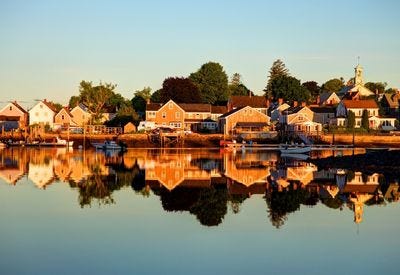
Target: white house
x=42, y=113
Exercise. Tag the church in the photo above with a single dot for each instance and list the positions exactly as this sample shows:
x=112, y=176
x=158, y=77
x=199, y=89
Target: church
x=358, y=86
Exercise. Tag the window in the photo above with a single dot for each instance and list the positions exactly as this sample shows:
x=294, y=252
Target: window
x=170, y=105
x=37, y=114
x=10, y=108
x=164, y=115
x=62, y=117
x=177, y=115
x=301, y=117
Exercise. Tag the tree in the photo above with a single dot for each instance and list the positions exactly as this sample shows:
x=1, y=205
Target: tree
x=236, y=79
x=96, y=97
x=145, y=93
x=312, y=87
x=351, y=119
x=376, y=87
x=240, y=89
x=156, y=96
x=212, y=82
x=180, y=90
x=364, y=120
x=139, y=104
x=288, y=88
x=278, y=69
x=391, y=91
x=333, y=85
x=74, y=101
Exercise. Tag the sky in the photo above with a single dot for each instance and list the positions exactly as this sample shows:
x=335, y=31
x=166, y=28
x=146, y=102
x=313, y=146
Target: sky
x=48, y=47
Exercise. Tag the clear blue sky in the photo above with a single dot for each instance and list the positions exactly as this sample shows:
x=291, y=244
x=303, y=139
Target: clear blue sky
x=48, y=47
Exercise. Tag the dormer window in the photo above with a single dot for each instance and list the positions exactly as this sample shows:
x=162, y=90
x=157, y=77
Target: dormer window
x=10, y=108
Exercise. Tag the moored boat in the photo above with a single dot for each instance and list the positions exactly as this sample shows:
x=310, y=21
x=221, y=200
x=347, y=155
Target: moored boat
x=294, y=149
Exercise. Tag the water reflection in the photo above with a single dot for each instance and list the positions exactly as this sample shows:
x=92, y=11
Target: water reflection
x=204, y=183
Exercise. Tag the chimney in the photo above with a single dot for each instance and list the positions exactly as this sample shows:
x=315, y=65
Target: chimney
x=295, y=103
x=280, y=101
x=148, y=100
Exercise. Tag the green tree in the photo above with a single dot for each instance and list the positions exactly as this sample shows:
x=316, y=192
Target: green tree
x=240, y=89
x=156, y=96
x=391, y=91
x=376, y=87
x=278, y=69
x=96, y=97
x=212, y=82
x=139, y=104
x=180, y=90
x=333, y=85
x=364, y=120
x=74, y=101
x=351, y=119
x=145, y=93
x=289, y=88
x=236, y=79
x=312, y=87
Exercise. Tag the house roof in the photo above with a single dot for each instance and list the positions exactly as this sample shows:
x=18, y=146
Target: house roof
x=19, y=107
x=392, y=100
x=322, y=110
x=232, y=112
x=293, y=110
x=66, y=110
x=195, y=107
x=360, y=104
x=324, y=96
x=251, y=124
x=153, y=106
x=218, y=109
x=252, y=101
x=49, y=105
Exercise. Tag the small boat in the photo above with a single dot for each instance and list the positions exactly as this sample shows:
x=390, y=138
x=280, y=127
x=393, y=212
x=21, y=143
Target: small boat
x=58, y=143
x=294, y=149
x=108, y=145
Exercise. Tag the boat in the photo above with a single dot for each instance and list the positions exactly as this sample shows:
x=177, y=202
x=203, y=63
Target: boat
x=108, y=145
x=58, y=143
x=294, y=149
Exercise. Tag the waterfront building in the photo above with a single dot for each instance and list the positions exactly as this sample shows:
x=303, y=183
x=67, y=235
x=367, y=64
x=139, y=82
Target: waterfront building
x=64, y=118
x=260, y=103
x=80, y=114
x=42, y=113
x=13, y=116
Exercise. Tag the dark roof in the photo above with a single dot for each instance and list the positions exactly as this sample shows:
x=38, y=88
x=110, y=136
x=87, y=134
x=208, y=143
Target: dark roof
x=322, y=109
x=195, y=107
x=252, y=101
x=218, y=109
x=66, y=110
x=19, y=107
x=293, y=110
x=153, y=106
x=253, y=124
x=50, y=105
x=231, y=112
x=392, y=100
x=324, y=96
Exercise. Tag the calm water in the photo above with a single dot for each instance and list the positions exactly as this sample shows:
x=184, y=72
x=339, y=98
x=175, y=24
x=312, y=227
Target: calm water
x=192, y=212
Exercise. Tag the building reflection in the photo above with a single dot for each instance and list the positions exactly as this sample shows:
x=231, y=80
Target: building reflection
x=204, y=183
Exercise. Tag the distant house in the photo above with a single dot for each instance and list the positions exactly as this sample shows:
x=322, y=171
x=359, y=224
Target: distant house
x=129, y=128
x=358, y=107
x=217, y=111
x=277, y=109
x=64, y=118
x=169, y=114
x=195, y=113
x=391, y=104
x=244, y=119
x=42, y=113
x=81, y=115
x=328, y=98
x=260, y=103
x=323, y=114
x=13, y=112
x=300, y=119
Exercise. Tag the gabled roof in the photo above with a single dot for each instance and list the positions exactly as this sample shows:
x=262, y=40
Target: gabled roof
x=49, y=105
x=293, y=110
x=195, y=107
x=218, y=109
x=153, y=106
x=232, y=112
x=392, y=99
x=252, y=101
x=19, y=107
x=66, y=111
x=325, y=96
x=360, y=104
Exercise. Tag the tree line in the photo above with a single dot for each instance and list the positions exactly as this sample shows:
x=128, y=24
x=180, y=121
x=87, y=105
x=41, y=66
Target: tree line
x=209, y=84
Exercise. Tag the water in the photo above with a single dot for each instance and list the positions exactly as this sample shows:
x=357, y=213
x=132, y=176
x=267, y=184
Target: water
x=192, y=212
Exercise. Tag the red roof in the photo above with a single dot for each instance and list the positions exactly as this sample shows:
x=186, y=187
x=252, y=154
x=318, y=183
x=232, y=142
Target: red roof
x=19, y=107
x=252, y=101
x=360, y=104
x=219, y=109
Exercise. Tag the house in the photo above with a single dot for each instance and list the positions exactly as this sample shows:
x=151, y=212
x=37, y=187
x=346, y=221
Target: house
x=277, y=109
x=328, y=98
x=217, y=111
x=358, y=85
x=244, y=120
x=129, y=128
x=195, y=113
x=358, y=107
x=391, y=104
x=14, y=112
x=64, y=118
x=81, y=115
x=300, y=119
x=323, y=114
x=42, y=113
x=260, y=103
x=169, y=114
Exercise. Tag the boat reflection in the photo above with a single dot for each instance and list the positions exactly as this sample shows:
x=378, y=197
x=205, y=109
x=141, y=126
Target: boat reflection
x=204, y=183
